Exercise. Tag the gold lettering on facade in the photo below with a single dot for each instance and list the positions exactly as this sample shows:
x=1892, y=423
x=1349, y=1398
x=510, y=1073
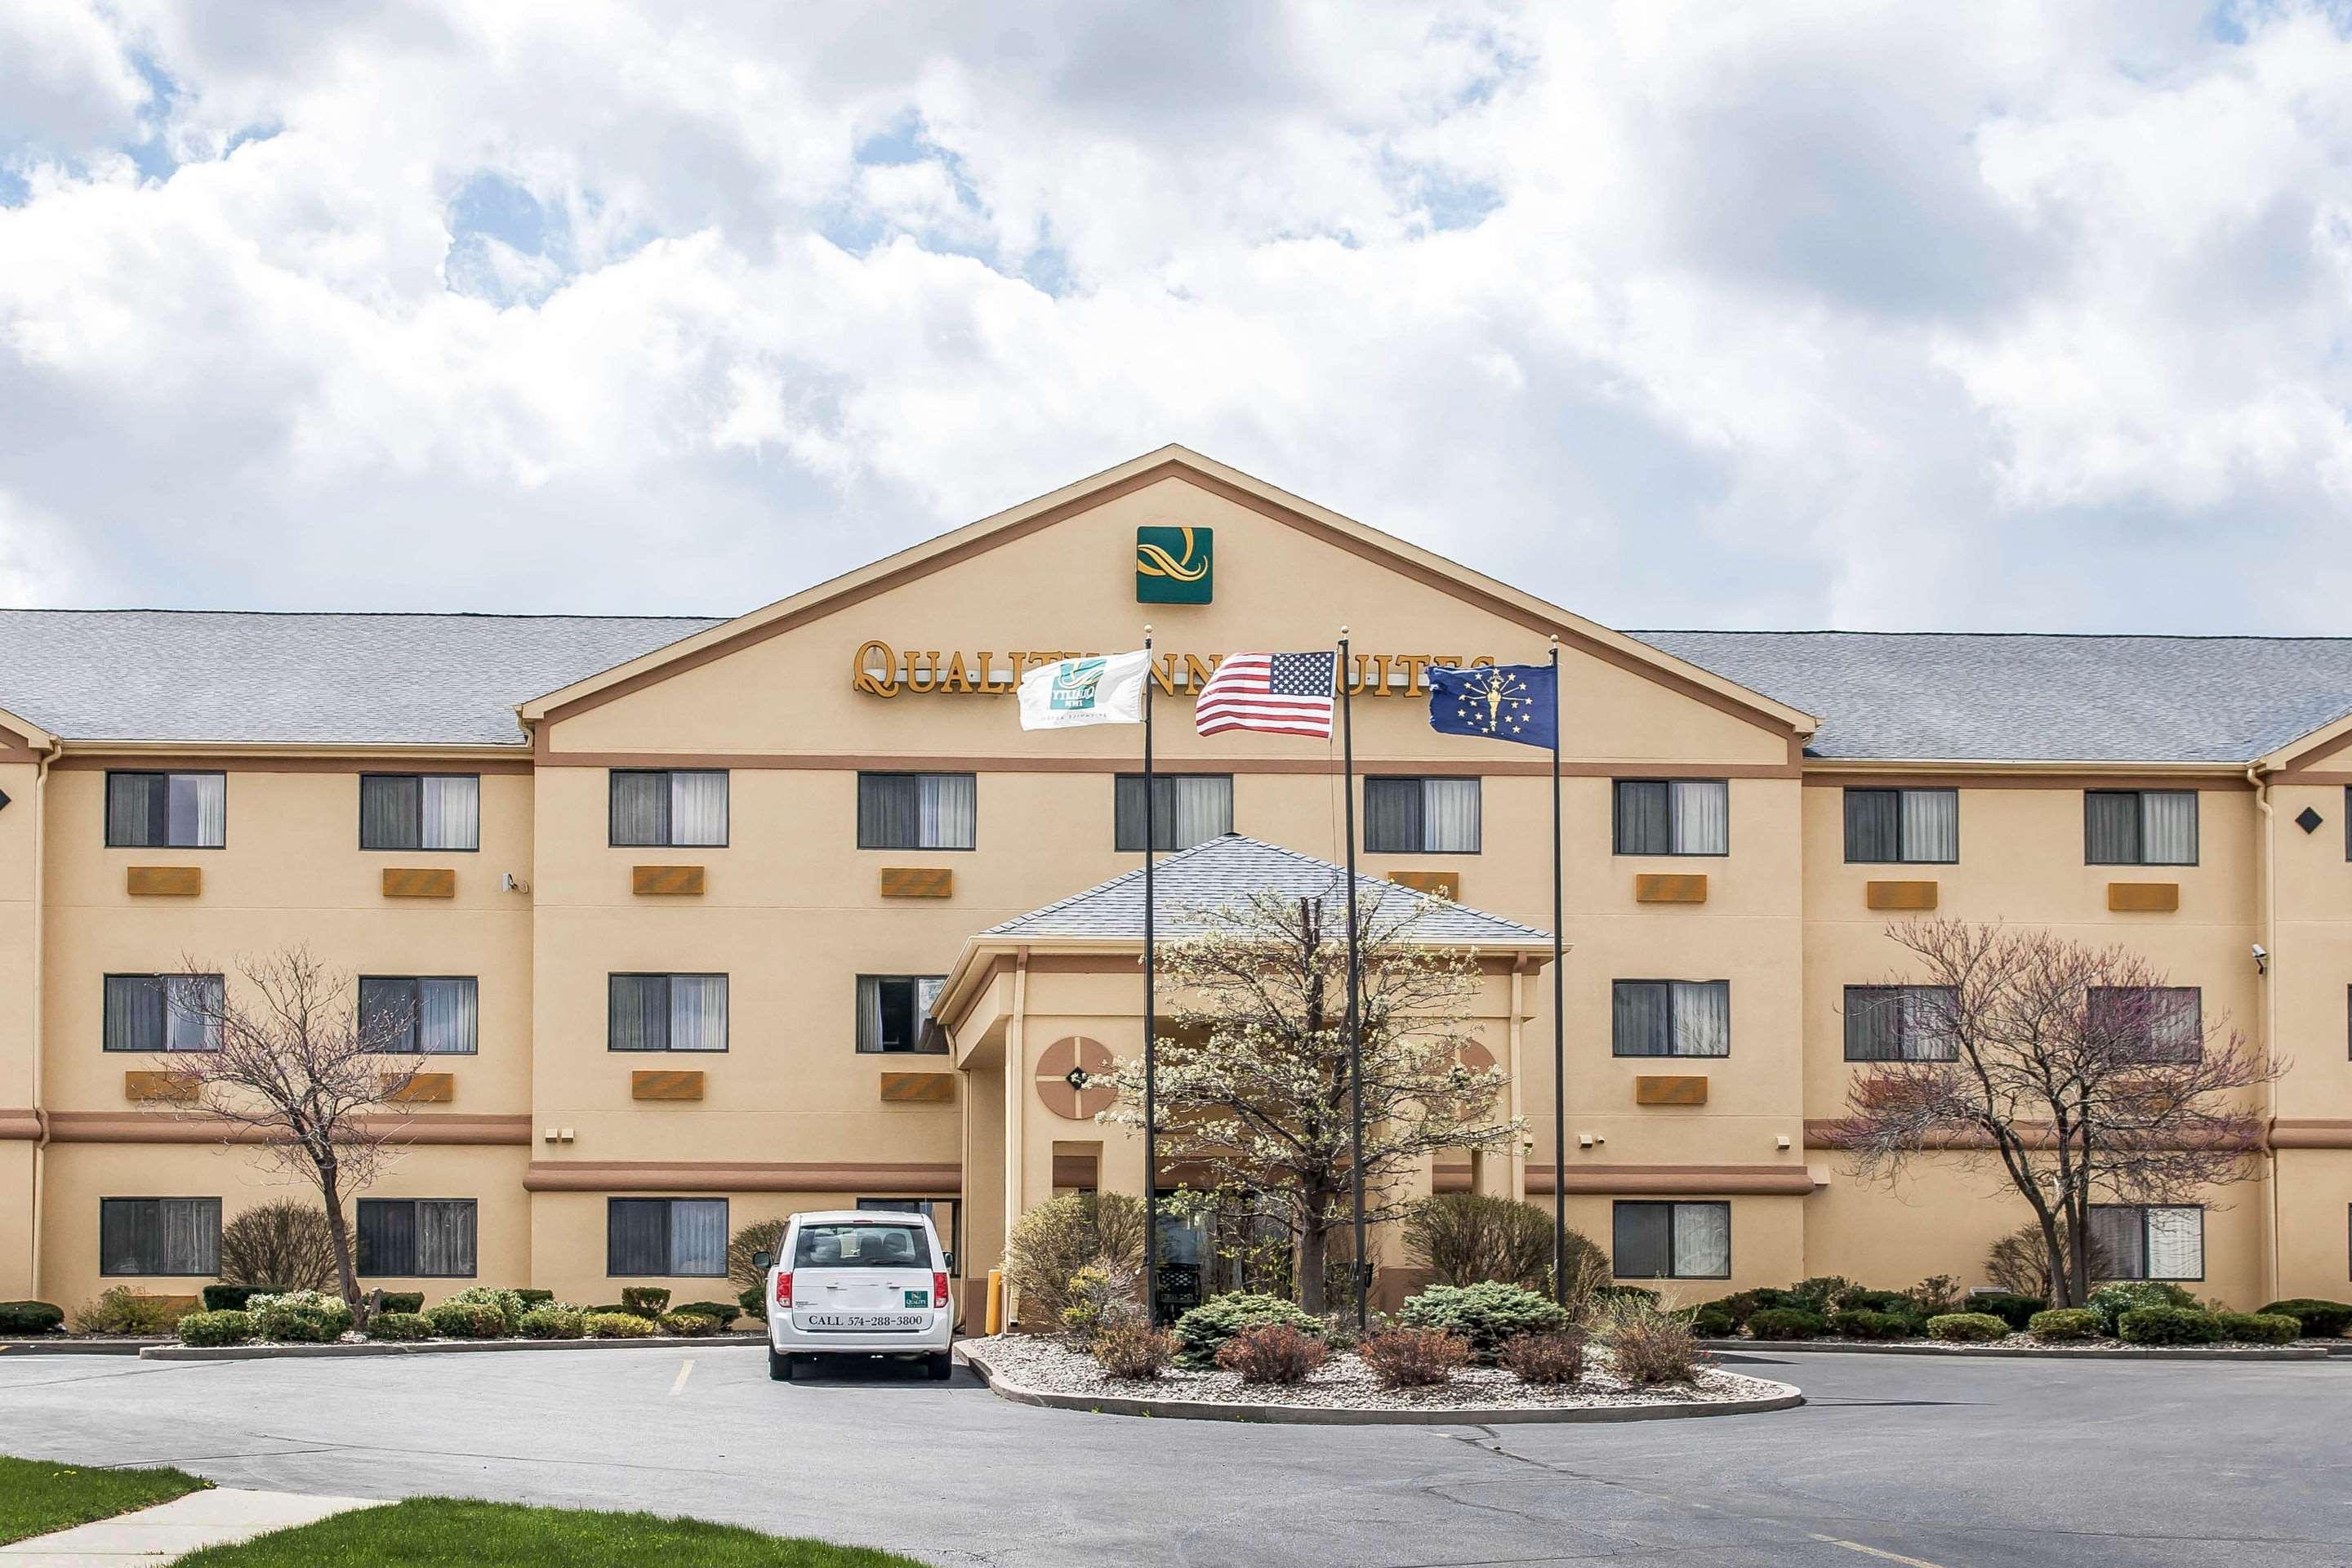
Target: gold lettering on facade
x=879, y=669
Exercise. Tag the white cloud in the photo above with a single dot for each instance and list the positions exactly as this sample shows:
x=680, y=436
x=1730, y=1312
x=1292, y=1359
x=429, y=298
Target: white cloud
x=1685, y=314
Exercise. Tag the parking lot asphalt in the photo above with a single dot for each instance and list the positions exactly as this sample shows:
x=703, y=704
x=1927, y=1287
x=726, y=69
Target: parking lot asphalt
x=1934, y=1463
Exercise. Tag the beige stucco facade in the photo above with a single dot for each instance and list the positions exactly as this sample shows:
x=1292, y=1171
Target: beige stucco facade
x=544, y=1123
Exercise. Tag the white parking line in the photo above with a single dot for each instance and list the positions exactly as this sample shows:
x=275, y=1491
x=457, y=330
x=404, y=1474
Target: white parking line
x=1875, y=1551
x=685, y=1370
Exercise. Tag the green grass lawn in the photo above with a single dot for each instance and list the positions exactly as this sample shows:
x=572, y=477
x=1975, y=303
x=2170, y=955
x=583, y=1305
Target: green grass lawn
x=37, y=1497
x=447, y=1533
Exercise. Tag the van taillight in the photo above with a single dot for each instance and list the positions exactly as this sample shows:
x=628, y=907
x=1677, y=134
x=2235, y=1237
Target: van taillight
x=784, y=1289
x=939, y=1287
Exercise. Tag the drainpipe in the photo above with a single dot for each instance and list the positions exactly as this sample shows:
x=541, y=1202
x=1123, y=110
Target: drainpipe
x=40, y=808
x=2269, y=980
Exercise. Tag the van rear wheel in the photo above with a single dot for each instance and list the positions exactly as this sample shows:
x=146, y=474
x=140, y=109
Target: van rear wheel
x=779, y=1365
x=940, y=1366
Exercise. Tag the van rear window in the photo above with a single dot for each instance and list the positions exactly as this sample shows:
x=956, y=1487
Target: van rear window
x=862, y=1247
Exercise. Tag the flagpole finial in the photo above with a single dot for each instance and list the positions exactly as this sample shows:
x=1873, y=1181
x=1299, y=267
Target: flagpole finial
x=1343, y=631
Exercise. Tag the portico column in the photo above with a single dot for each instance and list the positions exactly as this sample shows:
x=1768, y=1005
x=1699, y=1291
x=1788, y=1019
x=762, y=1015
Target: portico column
x=1016, y=1096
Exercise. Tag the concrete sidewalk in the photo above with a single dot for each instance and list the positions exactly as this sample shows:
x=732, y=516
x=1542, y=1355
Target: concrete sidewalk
x=149, y=1537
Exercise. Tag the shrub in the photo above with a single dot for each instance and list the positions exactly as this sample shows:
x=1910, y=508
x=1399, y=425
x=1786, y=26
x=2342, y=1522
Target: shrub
x=1785, y=1323
x=1204, y=1331
x=616, y=1326
x=1470, y=1239
x=1821, y=1294
x=455, y=1319
x=219, y=1327
x=1740, y=1306
x=2168, y=1326
x=286, y=1242
x=1414, y=1358
x=1271, y=1352
x=1552, y=1359
x=1713, y=1321
x=1057, y=1238
x=551, y=1322
x=2320, y=1320
x=1895, y=1301
x=30, y=1318
x=299, y=1318
x=400, y=1302
x=531, y=1298
x=761, y=1236
x=720, y=1313
x=1607, y=1294
x=2258, y=1328
x=687, y=1325
x=1134, y=1351
x=1862, y=1323
x=122, y=1311
x=614, y=1307
x=644, y=1300
x=1484, y=1315
x=2062, y=1325
x=1937, y=1296
x=506, y=1304
x=2017, y=1311
x=1965, y=1328
x=402, y=1326
x=1650, y=1346
x=235, y=1297
x=754, y=1300
x=2112, y=1301
x=1102, y=1296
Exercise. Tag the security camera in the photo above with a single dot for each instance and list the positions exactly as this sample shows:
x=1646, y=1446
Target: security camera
x=2262, y=959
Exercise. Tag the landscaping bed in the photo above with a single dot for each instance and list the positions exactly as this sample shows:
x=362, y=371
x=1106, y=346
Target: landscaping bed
x=355, y=1345
x=1344, y=1387
x=2027, y=1346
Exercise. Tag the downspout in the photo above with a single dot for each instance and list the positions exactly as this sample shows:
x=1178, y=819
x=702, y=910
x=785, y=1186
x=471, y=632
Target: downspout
x=2269, y=980
x=40, y=1023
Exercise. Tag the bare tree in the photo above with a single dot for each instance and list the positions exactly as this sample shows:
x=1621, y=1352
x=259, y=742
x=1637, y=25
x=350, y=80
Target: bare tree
x=1253, y=1080
x=2076, y=1068
x=290, y=1060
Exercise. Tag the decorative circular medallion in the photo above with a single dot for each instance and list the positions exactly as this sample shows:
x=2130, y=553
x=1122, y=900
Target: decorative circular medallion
x=1070, y=1079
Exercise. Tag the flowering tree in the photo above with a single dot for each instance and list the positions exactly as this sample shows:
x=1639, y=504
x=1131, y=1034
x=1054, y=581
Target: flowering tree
x=1253, y=1075
x=2077, y=1070
x=289, y=1057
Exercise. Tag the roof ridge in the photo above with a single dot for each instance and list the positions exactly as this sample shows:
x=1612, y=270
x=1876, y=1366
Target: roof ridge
x=351, y=614
x=1988, y=635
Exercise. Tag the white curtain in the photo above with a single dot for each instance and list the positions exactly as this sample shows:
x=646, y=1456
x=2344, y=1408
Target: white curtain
x=698, y=1012
x=1931, y=824
x=2168, y=827
x=452, y=812
x=1700, y=811
x=869, y=1012
x=698, y=808
x=198, y=804
x=1450, y=815
x=444, y=1238
x=191, y=1012
x=447, y=1015
x=2175, y=1244
x=698, y=1235
x=1702, y=1240
x=1701, y=1018
x=947, y=809
x=1929, y=1023
x=1204, y=808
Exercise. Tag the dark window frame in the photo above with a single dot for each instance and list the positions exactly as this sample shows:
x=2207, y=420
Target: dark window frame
x=669, y=1237
x=1670, y=1204
x=105, y=806
x=918, y=1048
x=420, y=848
x=2144, y=1276
x=1119, y=840
x=669, y=839
x=2196, y=992
x=864, y=774
x=1389, y=779
x=107, y=1272
x=2140, y=839
x=1617, y=821
x=1617, y=1046
x=725, y=1027
x=106, y=1004
x=359, y=1230
x=417, y=1010
x=1901, y=857
x=1850, y=1011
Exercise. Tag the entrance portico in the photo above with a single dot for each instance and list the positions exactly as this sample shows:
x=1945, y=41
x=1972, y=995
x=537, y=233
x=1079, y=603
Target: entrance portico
x=1036, y=1008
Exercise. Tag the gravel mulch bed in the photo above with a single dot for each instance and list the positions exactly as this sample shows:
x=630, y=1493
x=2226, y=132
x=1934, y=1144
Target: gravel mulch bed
x=1053, y=1366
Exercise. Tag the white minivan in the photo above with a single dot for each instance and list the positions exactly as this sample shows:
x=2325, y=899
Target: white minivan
x=859, y=1282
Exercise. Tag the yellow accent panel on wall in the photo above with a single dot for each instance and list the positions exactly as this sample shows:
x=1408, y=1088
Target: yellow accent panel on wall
x=1670, y=887
x=177, y=1088
x=1447, y=885
x=1670, y=1090
x=165, y=881
x=2144, y=898
x=666, y=882
x=1899, y=895
x=918, y=882
x=426, y=1089
x=419, y=882
x=665, y=1085
x=918, y=1087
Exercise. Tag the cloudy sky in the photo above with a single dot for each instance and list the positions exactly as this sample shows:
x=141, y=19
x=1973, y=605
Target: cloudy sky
x=1898, y=315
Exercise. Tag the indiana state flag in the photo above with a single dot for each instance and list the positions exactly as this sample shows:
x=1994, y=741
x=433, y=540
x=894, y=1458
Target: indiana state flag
x=1502, y=701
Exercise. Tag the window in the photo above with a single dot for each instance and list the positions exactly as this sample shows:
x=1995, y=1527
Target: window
x=420, y=811
x=166, y=811
x=942, y=1211
x=159, y=1235
x=1186, y=809
x=1671, y=1241
x=1671, y=1018
x=435, y=1014
x=1911, y=824
x=917, y=811
x=2148, y=1242
x=1421, y=816
x=416, y=1238
x=666, y=1237
x=1900, y=1023
x=666, y=1013
x=2139, y=827
x=2156, y=1023
x=860, y=1244
x=892, y=1010
x=161, y=1012
x=669, y=809
x=1674, y=816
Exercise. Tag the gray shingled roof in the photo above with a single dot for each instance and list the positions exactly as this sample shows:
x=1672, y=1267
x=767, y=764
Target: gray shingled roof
x=2009, y=697
x=1189, y=885
x=216, y=675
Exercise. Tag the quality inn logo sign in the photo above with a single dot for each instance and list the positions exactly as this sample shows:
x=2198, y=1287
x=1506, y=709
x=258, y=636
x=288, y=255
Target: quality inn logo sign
x=1174, y=565
x=1075, y=683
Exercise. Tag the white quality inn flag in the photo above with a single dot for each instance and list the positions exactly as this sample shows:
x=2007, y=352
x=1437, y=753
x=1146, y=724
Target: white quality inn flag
x=1104, y=690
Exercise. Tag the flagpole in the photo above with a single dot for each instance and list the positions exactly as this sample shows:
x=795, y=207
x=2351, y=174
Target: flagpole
x=1150, y=1020
x=1558, y=1019
x=1361, y=1270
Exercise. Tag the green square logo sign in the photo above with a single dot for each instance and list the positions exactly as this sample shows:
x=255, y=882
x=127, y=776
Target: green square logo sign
x=1174, y=565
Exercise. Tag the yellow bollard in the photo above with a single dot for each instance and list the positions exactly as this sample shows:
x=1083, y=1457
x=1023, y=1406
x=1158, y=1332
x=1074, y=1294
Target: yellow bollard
x=996, y=1300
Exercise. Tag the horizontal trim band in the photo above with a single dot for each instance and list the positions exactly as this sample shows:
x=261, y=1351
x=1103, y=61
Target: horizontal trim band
x=1821, y=1134
x=18, y=1123
x=2057, y=779
x=2311, y=1132
x=455, y=1129
x=289, y=763
x=1678, y=1181
x=740, y=1176
x=1532, y=766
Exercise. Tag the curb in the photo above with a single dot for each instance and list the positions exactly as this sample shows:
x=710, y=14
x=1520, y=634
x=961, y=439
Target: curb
x=1312, y=1415
x=2120, y=1353
x=77, y=1347
x=434, y=1347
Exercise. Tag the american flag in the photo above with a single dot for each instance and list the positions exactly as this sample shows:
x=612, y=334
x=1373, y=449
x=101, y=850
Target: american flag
x=1281, y=693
